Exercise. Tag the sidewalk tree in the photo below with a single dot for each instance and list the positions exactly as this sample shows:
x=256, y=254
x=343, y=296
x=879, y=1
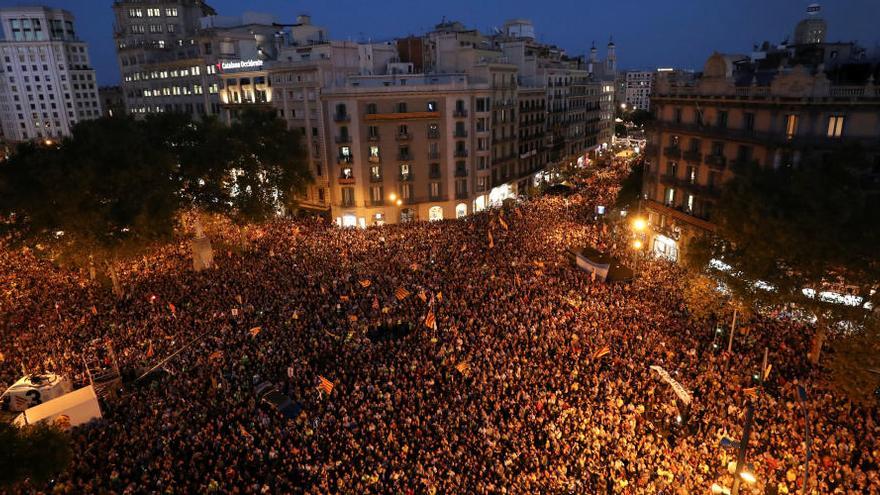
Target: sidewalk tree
x=35, y=453
x=813, y=226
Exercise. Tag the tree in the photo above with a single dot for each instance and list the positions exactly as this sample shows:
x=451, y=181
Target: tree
x=631, y=187
x=106, y=192
x=813, y=226
x=855, y=363
x=36, y=453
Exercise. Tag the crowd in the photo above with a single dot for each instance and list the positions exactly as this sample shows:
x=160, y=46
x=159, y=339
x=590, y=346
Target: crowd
x=505, y=394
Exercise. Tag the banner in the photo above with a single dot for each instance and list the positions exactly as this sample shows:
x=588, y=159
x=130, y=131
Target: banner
x=680, y=391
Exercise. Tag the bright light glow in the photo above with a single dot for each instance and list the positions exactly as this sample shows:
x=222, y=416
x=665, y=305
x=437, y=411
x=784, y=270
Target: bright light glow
x=399, y=202
x=718, y=489
x=639, y=224
x=393, y=197
x=760, y=284
x=719, y=265
x=637, y=244
x=747, y=477
x=834, y=297
x=48, y=142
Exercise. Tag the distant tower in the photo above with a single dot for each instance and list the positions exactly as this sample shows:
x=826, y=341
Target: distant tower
x=594, y=58
x=611, y=61
x=812, y=29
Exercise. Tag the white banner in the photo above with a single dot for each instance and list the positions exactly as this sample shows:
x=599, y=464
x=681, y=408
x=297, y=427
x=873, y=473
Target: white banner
x=680, y=391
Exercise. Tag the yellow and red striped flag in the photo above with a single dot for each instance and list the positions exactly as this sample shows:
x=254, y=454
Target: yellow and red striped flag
x=255, y=331
x=365, y=283
x=352, y=318
x=751, y=392
x=150, y=351
x=439, y=296
x=491, y=240
x=325, y=385
x=401, y=293
x=539, y=264
x=431, y=320
x=503, y=223
x=422, y=296
x=173, y=309
x=463, y=367
x=767, y=371
x=602, y=352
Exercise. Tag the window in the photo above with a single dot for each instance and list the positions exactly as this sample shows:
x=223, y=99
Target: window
x=690, y=203
x=433, y=131
x=171, y=12
x=749, y=121
x=670, y=196
x=404, y=171
x=154, y=12
x=406, y=191
x=376, y=194
x=373, y=132
x=434, y=170
x=434, y=190
x=835, y=126
x=402, y=130
x=133, y=13
x=791, y=125
x=374, y=154
x=376, y=172
x=401, y=107
x=717, y=148
x=722, y=119
x=371, y=109
x=432, y=106
x=348, y=196
x=677, y=117
x=341, y=110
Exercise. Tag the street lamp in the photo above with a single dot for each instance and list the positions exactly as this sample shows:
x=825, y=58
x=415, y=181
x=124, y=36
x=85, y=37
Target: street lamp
x=399, y=202
x=639, y=224
x=637, y=244
x=392, y=196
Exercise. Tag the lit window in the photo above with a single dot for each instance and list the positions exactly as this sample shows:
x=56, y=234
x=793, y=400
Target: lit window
x=835, y=126
x=791, y=124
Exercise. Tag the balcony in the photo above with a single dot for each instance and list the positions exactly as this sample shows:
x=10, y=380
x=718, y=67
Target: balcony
x=405, y=177
x=433, y=155
x=433, y=134
x=461, y=172
x=460, y=113
x=404, y=157
x=374, y=159
x=404, y=136
x=434, y=174
x=343, y=139
x=342, y=117
x=375, y=178
x=345, y=179
x=461, y=195
x=347, y=203
x=344, y=159
x=716, y=161
x=461, y=153
x=693, y=156
x=373, y=138
x=672, y=152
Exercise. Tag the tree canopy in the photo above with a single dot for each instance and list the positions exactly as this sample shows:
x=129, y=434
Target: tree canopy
x=812, y=226
x=35, y=453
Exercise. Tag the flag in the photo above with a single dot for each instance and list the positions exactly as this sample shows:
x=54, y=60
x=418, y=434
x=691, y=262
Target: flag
x=463, y=367
x=491, y=240
x=422, y=296
x=216, y=355
x=352, y=318
x=94, y=310
x=255, y=331
x=375, y=302
x=539, y=264
x=243, y=431
x=173, y=309
x=538, y=273
x=430, y=320
x=439, y=296
x=343, y=298
x=401, y=294
x=463, y=248
x=150, y=351
x=751, y=392
x=602, y=352
x=325, y=385
x=414, y=266
x=365, y=283
x=2, y=357
x=767, y=371
x=503, y=223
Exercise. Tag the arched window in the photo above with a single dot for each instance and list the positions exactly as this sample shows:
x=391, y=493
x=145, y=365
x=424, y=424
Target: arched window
x=435, y=213
x=461, y=210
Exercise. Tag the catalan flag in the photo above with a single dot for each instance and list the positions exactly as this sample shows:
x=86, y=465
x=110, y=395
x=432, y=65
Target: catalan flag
x=150, y=351
x=491, y=240
x=255, y=331
x=751, y=392
x=463, y=367
x=401, y=293
x=94, y=310
x=173, y=309
x=365, y=283
x=431, y=320
x=325, y=385
x=439, y=296
x=503, y=223
x=767, y=371
x=539, y=264
x=602, y=352
x=423, y=296
x=352, y=318
x=216, y=355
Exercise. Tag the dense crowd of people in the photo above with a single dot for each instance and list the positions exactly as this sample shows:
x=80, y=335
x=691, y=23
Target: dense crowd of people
x=507, y=393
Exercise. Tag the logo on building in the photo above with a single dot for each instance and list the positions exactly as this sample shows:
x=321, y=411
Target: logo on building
x=239, y=65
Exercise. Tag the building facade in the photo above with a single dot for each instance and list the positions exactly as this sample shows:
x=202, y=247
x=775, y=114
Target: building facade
x=776, y=108
x=47, y=83
x=639, y=84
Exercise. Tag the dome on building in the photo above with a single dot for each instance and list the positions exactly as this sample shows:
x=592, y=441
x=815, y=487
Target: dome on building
x=812, y=29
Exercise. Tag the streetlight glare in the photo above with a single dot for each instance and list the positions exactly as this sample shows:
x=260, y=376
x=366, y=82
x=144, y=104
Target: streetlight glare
x=747, y=477
x=639, y=224
x=393, y=196
x=637, y=244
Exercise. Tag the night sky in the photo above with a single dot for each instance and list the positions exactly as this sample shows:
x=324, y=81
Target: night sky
x=648, y=33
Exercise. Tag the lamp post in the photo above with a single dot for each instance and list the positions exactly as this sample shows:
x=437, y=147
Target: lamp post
x=741, y=475
x=802, y=395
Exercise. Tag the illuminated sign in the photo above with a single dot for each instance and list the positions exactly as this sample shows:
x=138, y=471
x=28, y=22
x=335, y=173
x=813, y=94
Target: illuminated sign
x=239, y=65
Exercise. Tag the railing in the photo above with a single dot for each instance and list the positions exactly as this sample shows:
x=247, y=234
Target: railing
x=717, y=161
x=404, y=156
x=433, y=134
x=374, y=159
x=433, y=155
x=343, y=159
x=434, y=175
x=341, y=117
x=343, y=179
x=461, y=172
x=672, y=152
x=461, y=133
x=373, y=138
x=404, y=136
x=405, y=177
x=461, y=153
x=343, y=139
x=460, y=113
x=692, y=156
x=375, y=178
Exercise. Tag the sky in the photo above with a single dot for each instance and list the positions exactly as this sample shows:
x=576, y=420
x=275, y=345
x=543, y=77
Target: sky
x=648, y=33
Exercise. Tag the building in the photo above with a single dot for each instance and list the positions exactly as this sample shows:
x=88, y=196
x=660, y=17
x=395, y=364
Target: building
x=47, y=83
x=776, y=107
x=639, y=84
x=429, y=127
x=170, y=53
x=112, y=101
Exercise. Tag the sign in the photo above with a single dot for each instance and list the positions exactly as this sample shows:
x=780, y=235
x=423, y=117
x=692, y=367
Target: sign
x=680, y=391
x=239, y=65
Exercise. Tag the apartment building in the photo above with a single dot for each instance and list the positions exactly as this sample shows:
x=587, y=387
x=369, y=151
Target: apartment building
x=775, y=107
x=47, y=83
x=639, y=84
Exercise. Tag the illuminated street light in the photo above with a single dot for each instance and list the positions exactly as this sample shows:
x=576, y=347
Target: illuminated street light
x=747, y=477
x=399, y=202
x=393, y=197
x=48, y=142
x=623, y=106
x=639, y=224
x=720, y=490
x=637, y=244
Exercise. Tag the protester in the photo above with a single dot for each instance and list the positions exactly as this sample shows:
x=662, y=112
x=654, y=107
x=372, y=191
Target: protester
x=505, y=394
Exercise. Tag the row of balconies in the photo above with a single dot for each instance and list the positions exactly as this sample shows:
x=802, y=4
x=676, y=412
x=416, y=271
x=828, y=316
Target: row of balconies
x=349, y=178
